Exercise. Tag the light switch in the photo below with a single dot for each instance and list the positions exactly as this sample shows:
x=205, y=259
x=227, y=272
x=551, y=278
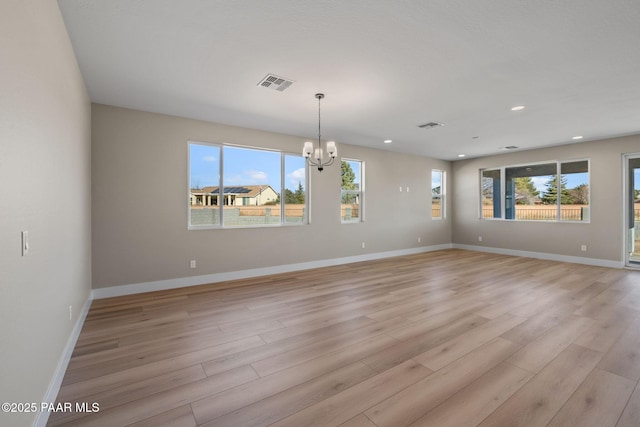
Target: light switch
x=25, y=242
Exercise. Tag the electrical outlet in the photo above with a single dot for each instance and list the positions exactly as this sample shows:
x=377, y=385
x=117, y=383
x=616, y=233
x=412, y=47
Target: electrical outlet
x=583, y=248
x=362, y=245
x=479, y=238
x=419, y=239
x=70, y=312
x=192, y=263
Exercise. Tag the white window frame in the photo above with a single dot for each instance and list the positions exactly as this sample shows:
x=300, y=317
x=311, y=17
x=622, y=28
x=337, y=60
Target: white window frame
x=220, y=207
x=503, y=191
x=220, y=173
x=443, y=193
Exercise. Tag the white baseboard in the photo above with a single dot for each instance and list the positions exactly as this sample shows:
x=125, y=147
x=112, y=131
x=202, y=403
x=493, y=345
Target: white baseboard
x=541, y=255
x=54, y=386
x=182, y=282
x=161, y=285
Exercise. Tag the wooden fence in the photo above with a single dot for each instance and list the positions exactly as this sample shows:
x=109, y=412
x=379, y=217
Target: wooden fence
x=549, y=213
x=543, y=213
x=523, y=212
x=290, y=210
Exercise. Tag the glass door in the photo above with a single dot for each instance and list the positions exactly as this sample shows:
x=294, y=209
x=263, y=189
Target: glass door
x=632, y=208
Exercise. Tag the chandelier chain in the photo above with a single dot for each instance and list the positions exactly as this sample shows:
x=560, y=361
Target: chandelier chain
x=319, y=98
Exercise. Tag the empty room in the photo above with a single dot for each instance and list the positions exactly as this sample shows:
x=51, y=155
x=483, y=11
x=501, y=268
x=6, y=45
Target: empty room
x=319, y=213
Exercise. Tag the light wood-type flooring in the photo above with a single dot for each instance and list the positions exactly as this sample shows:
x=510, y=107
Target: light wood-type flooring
x=447, y=338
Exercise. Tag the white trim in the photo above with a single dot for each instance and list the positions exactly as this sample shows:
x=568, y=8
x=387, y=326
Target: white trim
x=160, y=285
x=56, y=381
x=625, y=208
x=626, y=243
x=541, y=255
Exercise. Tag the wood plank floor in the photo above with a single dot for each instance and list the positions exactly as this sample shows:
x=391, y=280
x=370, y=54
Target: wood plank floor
x=447, y=338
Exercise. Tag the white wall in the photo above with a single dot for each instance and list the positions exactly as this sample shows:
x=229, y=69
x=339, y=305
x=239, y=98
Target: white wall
x=140, y=192
x=603, y=235
x=45, y=189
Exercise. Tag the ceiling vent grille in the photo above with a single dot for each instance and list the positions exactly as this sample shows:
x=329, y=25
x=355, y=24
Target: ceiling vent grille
x=510, y=147
x=278, y=83
x=431, y=125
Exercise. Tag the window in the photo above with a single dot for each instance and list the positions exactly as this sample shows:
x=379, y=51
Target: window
x=437, y=194
x=253, y=175
x=295, y=194
x=352, y=190
x=245, y=187
x=490, y=196
x=204, y=180
x=523, y=187
x=574, y=191
x=534, y=192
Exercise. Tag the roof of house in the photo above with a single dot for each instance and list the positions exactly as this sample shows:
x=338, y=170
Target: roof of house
x=244, y=190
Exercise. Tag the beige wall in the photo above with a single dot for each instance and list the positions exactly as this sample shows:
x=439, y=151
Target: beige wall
x=44, y=188
x=603, y=235
x=141, y=240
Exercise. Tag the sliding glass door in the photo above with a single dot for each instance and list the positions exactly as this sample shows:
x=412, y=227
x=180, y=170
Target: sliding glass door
x=632, y=210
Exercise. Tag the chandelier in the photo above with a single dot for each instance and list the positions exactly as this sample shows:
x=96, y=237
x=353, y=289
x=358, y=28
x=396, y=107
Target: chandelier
x=315, y=156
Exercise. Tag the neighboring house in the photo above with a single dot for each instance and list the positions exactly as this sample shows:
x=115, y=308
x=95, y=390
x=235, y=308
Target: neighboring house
x=243, y=195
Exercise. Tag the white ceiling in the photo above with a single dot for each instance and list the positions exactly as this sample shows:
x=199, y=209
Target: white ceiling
x=385, y=66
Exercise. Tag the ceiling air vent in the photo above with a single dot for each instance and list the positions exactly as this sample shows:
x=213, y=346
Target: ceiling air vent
x=430, y=125
x=510, y=147
x=272, y=81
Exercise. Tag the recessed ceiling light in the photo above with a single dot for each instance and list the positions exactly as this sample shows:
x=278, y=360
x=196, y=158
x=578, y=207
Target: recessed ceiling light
x=577, y=137
x=517, y=108
x=461, y=155
x=388, y=141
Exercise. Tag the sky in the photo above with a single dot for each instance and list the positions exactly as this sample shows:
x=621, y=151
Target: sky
x=243, y=166
x=573, y=180
x=436, y=179
x=356, y=171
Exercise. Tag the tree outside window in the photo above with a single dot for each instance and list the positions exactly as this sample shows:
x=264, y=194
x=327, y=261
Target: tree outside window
x=351, y=189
